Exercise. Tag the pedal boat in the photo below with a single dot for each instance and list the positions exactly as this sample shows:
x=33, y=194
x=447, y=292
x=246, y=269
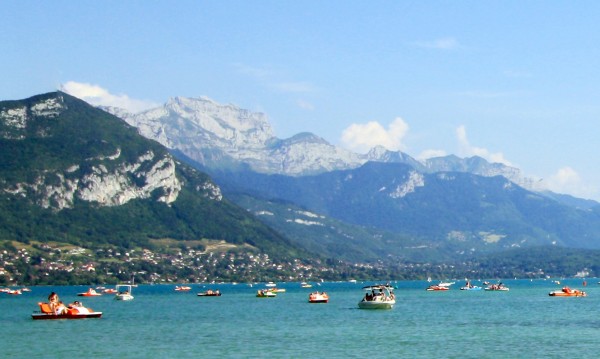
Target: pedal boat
x=90, y=293
x=72, y=312
x=318, y=297
x=435, y=287
x=497, y=287
x=378, y=297
x=568, y=292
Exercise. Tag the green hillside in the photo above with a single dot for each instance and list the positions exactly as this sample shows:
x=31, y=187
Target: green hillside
x=62, y=141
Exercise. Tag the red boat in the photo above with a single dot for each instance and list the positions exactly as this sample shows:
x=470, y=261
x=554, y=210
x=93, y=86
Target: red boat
x=437, y=287
x=73, y=311
x=568, y=292
x=90, y=293
x=317, y=297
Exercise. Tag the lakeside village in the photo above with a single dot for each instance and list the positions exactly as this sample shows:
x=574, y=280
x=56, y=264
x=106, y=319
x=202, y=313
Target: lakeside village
x=48, y=264
x=45, y=264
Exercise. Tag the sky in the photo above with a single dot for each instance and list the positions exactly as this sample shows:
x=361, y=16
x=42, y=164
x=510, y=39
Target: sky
x=515, y=82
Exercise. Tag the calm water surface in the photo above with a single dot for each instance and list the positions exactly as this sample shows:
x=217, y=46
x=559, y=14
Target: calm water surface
x=161, y=323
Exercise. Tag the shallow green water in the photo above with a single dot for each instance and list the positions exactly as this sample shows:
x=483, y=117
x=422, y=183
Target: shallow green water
x=161, y=323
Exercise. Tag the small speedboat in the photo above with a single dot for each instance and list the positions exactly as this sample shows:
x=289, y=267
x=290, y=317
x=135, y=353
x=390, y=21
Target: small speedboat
x=123, y=292
x=305, y=285
x=109, y=291
x=210, y=293
x=90, y=293
x=182, y=288
x=378, y=297
x=318, y=297
x=568, y=292
x=265, y=294
x=73, y=311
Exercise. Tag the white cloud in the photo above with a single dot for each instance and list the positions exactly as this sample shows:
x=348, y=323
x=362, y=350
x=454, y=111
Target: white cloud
x=363, y=137
x=467, y=150
x=272, y=79
x=566, y=180
x=305, y=105
x=98, y=96
x=427, y=154
x=446, y=43
x=294, y=87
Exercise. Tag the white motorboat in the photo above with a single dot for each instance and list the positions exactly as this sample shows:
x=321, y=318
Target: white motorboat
x=123, y=292
x=378, y=296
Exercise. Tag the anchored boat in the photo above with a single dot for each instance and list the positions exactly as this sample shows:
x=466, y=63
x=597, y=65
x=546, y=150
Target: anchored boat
x=378, y=297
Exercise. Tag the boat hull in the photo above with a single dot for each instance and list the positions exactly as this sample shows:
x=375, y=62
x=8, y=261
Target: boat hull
x=318, y=298
x=435, y=288
x=45, y=316
x=376, y=304
x=562, y=294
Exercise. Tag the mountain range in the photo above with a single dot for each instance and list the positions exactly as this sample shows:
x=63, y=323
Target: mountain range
x=205, y=171
x=452, y=204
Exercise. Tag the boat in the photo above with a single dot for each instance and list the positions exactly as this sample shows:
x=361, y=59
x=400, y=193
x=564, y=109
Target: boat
x=123, y=292
x=497, y=287
x=469, y=286
x=90, y=293
x=378, y=297
x=74, y=311
x=109, y=291
x=276, y=290
x=270, y=284
x=263, y=293
x=182, y=288
x=473, y=287
x=210, y=293
x=437, y=287
x=318, y=297
x=305, y=285
x=445, y=284
x=568, y=292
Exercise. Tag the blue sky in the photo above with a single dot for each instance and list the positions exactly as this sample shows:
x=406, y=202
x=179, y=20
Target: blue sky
x=512, y=81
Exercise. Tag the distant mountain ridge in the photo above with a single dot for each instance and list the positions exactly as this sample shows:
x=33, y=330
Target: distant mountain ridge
x=463, y=205
x=228, y=137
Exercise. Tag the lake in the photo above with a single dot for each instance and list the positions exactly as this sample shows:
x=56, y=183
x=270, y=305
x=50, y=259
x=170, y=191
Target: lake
x=161, y=323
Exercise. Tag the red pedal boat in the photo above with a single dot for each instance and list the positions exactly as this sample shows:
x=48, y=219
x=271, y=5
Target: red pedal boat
x=567, y=292
x=73, y=311
x=90, y=293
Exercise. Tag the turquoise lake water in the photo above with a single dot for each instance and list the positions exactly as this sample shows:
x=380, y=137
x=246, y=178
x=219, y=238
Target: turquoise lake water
x=162, y=323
